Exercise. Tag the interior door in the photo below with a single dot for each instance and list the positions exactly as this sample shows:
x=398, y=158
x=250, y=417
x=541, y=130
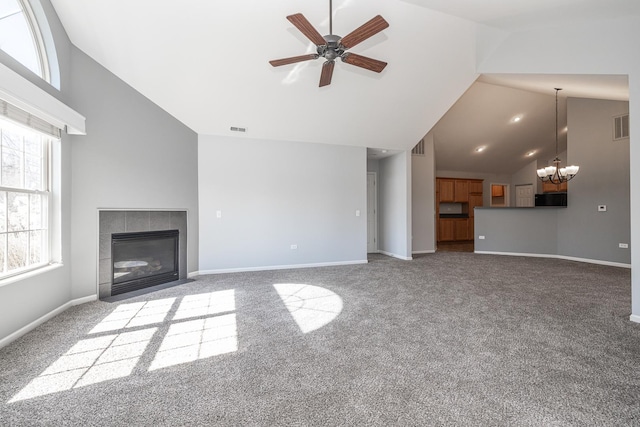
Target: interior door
x=524, y=196
x=372, y=213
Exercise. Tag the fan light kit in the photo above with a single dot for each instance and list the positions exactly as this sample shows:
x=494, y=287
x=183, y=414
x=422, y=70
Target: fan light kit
x=332, y=46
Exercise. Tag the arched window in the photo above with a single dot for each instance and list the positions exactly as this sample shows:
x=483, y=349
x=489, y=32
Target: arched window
x=22, y=38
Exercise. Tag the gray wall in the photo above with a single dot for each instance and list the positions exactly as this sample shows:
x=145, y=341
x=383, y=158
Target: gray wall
x=423, y=199
x=578, y=231
x=394, y=205
x=603, y=180
x=26, y=300
x=517, y=230
x=97, y=171
x=372, y=165
x=134, y=156
x=274, y=194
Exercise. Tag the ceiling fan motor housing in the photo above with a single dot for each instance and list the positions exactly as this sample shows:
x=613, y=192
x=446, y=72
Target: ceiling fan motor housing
x=332, y=49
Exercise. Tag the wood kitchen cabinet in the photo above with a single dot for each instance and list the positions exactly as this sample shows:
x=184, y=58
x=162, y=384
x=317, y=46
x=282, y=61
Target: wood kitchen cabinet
x=453, y=229
x=447, y=190
x=453, y=190
x=446, y=231
x=461, y=193
x=475, y=200
x=548, y=187
x=466, y=192
x=475, y=186
x=461, y=229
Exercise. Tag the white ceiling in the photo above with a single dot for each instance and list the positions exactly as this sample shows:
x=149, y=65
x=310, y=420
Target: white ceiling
x=206, y=63
x=520, y=15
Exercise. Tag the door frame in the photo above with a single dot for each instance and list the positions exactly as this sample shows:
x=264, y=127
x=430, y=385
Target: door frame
x=507, y=198
x=374, y=214
x=532, y=194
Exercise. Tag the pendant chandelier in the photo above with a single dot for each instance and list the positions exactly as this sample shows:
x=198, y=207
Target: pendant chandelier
x=556, y=174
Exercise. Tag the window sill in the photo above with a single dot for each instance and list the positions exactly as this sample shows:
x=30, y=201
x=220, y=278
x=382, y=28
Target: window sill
x=29, y=274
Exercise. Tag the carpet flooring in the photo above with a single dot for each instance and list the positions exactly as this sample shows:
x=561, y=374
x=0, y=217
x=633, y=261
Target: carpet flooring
x=446, y=339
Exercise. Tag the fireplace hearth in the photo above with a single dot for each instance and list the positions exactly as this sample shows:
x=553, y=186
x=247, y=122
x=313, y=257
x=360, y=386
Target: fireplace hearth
x=143, y=259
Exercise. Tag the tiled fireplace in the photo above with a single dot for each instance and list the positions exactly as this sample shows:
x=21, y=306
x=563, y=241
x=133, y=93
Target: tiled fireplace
x=136, y=222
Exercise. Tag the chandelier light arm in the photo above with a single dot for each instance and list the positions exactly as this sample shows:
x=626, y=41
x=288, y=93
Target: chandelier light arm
x=556, y=174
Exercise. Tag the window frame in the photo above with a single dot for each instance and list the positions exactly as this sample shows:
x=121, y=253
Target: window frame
x=46, y=189
x=38, y=40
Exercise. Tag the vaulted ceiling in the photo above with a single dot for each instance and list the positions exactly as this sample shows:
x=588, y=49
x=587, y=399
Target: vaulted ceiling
x=206, y=62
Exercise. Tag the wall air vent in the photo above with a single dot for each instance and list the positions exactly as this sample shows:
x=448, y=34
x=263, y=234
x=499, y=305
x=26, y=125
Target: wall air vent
x=237, y=129
x=621, y=127
x=418, y=150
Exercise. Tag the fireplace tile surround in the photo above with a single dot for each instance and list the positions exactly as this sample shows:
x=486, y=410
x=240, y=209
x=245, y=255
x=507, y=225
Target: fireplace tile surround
x=122, y=221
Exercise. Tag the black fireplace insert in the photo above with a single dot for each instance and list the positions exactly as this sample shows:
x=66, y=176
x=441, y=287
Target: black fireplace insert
x=143, y=259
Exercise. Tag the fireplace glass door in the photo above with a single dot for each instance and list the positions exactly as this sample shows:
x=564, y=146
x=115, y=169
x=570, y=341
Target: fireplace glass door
x=143, y=259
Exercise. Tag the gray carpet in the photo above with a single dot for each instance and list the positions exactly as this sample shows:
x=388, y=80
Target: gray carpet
x=446, y=339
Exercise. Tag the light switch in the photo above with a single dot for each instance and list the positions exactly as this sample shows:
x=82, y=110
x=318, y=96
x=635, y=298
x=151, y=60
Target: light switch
x=358, y=212
x=218, y=214
x=602, y=208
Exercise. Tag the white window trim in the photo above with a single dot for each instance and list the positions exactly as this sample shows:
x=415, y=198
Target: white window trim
x=52, y=246
x=38, y=40
x=25, y=95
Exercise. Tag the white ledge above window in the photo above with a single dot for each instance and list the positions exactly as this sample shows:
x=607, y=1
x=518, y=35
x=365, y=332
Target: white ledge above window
x=25, y=95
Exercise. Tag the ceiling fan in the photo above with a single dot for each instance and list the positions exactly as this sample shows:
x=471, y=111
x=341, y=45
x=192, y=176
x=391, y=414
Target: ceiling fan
x=332, y=46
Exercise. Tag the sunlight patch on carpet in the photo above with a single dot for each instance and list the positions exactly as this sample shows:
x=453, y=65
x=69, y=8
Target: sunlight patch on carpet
x=90, y=361
x=197, y=339
x=135, y=315
x=206, y=304
x=312, y=307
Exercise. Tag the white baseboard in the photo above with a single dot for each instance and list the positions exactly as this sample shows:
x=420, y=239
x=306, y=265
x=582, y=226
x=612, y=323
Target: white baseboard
x=634, y=318
x=404, y=258
x=276, y=267
x=432, y=251
x=568, y=258
x=53, y=313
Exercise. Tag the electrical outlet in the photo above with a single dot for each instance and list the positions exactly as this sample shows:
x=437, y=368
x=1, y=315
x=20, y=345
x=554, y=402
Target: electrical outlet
x=623, y=245
x=294, y=246
x=481, y=237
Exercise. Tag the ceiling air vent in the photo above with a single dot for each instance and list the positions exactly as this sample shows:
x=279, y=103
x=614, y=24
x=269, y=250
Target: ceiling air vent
x=418, y=150
x=621, y=127
x=237, y=129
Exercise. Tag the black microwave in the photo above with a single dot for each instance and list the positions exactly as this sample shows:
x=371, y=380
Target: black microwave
x=551, y=199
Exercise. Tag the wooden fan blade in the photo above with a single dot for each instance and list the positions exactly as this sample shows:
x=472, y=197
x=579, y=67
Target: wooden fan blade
x=293, y=60
x=364, y=62
x=360, y=34
x=306, y=28
x=327, y=73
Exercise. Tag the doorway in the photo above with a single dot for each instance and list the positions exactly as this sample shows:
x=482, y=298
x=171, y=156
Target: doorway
x=372, y=213
x=524, y=196
x=499, y=195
